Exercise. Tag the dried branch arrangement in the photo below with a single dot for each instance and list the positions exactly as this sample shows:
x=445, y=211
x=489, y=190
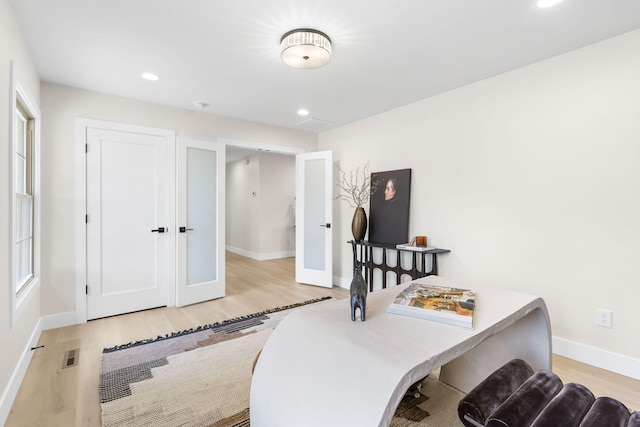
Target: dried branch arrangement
x=356, y=186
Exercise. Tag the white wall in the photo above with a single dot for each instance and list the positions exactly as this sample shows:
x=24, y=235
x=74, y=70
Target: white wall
x=532, y=179
x=260, y=206
x=243, y=185
x=277, y=204
x=15, y=339
x=60, y=107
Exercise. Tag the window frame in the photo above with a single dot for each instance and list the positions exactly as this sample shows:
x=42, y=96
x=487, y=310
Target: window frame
x=22, y=103
x=24, y=155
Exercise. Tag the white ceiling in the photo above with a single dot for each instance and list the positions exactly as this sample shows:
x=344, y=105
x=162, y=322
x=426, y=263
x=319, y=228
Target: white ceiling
x=386, y=53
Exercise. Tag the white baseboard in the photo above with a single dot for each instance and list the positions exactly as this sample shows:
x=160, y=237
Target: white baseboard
x=342, y=282
x=261, y=256
x=618, y=363
x=11, y=391
x=58, y=320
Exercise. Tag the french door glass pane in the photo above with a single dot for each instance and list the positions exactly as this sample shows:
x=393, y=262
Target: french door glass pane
x=201, y=216
x=314, y=208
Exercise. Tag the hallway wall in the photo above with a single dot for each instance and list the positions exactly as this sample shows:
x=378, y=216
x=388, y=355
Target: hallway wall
x=261, y=205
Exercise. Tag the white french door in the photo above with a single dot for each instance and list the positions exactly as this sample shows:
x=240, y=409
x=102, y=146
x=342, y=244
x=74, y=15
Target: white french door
x=314, y=235
x=130, y=223
x=201, y=231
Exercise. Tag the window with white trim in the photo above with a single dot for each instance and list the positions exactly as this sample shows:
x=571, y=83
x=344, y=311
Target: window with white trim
x=24, y=198
x=23, y=180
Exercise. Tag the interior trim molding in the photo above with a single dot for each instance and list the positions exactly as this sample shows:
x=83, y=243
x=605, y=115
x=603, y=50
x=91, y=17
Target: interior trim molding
x=257, y=146
x=59, y=320
x=342, y=282
x=11, y=391
x=260, y=256
x=604, y=359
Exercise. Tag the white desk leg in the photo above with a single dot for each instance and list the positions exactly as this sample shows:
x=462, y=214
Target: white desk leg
x=529, y=339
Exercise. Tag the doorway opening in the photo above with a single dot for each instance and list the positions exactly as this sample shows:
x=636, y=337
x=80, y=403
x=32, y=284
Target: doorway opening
x=260, y=203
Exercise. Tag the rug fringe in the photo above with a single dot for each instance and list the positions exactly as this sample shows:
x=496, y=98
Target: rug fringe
x=211, y=326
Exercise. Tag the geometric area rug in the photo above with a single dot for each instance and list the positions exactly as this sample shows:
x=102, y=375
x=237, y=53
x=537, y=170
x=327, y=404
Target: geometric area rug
x=202, y=377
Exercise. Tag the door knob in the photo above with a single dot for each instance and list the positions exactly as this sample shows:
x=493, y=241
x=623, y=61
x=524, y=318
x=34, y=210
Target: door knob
x=183, y=229
x=327, y=225
x=158, y=230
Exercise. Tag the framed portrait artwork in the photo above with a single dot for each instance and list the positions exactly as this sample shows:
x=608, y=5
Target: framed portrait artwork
x=389, y=206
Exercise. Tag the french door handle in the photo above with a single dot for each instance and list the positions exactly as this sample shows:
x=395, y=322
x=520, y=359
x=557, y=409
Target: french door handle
x=158, y=230
x=183, y=229
x=327, y=225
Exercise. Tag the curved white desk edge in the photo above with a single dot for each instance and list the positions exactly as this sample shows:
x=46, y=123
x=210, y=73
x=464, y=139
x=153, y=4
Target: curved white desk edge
x=319, y=368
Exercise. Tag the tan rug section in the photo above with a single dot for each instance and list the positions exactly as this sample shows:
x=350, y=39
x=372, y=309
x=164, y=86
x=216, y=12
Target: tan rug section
x=196, y=388
x=206, y=379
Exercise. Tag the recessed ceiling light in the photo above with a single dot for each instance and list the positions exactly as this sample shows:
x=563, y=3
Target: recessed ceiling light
x=303, y=112
x=547, y=3
x=150, y=76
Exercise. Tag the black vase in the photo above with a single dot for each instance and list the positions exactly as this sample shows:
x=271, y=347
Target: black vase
x=359, y=224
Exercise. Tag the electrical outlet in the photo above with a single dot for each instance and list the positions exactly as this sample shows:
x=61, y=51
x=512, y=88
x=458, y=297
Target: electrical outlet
x=603, y=318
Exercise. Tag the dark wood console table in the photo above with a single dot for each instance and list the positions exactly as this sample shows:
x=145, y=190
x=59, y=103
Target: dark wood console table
x=363, y=257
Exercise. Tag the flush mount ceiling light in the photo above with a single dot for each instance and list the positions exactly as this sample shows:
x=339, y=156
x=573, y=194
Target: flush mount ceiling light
x=305, y=48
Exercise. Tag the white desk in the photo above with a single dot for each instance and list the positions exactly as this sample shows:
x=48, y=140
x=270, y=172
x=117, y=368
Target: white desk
x=319, y=368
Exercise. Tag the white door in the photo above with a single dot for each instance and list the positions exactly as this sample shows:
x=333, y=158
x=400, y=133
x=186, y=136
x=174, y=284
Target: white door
x=130, y=220
x=201, y=238
x=314, y=241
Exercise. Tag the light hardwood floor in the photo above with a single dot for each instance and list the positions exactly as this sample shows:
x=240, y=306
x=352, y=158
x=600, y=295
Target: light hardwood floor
x=53, y=396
